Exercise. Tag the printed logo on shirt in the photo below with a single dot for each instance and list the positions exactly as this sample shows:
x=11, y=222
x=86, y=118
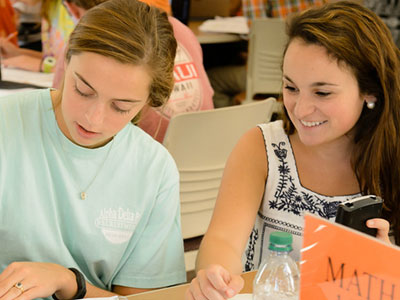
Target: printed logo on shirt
x=117, y=225
x=187, y=93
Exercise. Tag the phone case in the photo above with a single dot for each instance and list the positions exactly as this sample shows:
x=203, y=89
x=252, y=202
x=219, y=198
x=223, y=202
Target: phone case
x=355, y=212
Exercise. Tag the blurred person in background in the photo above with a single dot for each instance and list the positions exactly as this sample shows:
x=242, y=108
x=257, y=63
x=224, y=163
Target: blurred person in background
x=8, y=28
x=56, y=27
x=29, y=23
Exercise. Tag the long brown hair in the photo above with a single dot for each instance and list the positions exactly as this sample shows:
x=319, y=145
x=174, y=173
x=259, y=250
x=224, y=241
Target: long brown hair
x=354, y=35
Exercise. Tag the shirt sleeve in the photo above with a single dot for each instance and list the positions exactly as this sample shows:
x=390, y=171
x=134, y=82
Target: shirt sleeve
x=158, y=260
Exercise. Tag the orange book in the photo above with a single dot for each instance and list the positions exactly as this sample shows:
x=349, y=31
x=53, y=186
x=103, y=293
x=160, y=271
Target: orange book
x=339, y=263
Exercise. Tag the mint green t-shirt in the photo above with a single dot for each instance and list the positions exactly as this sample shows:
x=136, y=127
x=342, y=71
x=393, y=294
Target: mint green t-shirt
x=127, y=230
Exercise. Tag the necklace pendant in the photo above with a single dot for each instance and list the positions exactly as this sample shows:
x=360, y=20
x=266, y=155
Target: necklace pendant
x=83, y=195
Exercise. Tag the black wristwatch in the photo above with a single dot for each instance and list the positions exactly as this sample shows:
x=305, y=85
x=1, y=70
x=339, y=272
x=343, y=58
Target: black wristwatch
x=80, y=282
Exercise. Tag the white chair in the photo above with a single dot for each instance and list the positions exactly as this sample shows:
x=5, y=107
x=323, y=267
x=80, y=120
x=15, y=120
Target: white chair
x=200, y=143
x=267, y=41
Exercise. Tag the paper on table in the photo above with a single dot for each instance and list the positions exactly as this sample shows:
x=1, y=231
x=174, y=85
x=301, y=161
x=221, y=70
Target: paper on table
x=236, y=25
x=242, y=297
x=23, y=76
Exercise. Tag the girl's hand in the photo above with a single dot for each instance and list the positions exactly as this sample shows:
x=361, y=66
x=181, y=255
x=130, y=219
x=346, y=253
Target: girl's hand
x=383, y=227
x=24, y=62
x=36, y=280
x=214, y=283
x=8, y=49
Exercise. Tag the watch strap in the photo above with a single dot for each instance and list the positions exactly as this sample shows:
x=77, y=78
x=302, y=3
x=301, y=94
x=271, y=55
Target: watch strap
x=80, y=282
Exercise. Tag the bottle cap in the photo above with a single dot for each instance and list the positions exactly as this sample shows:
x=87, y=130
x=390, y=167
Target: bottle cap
x=280, y=241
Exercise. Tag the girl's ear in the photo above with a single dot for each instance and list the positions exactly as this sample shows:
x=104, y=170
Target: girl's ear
x=370, y=99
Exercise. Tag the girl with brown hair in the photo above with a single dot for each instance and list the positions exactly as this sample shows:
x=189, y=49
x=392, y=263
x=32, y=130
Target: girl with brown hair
x=339, y=139
x=92, y=202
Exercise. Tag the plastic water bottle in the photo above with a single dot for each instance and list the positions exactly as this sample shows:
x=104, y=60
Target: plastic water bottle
x=278, y=277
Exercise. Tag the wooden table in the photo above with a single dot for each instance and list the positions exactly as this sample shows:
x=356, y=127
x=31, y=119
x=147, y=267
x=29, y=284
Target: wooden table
x=212, y=37
x=178, y=292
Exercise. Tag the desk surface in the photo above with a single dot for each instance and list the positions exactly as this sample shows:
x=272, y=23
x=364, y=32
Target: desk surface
x=212, y=37
x=39, y=79
x=178, y=292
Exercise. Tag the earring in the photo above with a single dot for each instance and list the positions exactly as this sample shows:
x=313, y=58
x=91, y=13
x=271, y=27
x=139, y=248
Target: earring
x=371, y=105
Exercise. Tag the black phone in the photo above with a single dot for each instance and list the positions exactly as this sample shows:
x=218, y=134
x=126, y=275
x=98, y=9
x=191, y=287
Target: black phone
x=355, y=212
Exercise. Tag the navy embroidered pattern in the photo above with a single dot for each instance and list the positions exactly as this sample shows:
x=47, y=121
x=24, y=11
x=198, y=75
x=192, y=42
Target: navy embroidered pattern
x=281, y=225
x=249, y=265
x=288, y=198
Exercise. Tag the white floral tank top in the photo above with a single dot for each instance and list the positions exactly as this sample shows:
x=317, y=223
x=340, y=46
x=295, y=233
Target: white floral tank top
x=285, y=199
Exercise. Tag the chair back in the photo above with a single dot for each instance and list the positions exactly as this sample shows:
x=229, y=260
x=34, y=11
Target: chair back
x=200, y=143
x=267, y=41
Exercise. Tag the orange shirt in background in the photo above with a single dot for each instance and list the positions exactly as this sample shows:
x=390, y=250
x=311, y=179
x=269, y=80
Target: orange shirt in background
x=7, y=20
x=162, y=4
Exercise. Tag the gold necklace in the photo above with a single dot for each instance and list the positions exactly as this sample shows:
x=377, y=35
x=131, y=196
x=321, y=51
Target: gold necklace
x=83, y=192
